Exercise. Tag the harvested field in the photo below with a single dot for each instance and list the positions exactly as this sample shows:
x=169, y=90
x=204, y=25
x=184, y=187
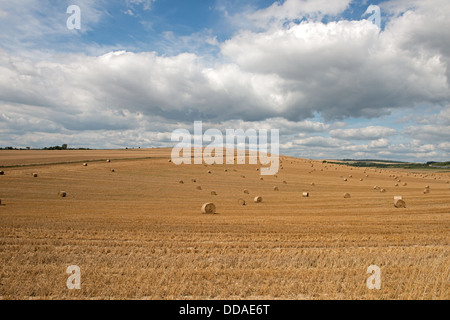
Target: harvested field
x=139, y=233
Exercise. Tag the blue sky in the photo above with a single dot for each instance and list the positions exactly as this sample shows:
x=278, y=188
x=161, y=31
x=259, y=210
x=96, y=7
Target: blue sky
x=335, y=84
x=144, y=25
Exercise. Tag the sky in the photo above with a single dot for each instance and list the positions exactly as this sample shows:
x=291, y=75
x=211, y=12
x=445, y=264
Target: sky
x=333, y=82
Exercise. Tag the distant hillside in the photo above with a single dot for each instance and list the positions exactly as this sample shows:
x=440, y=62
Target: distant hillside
x=441, y=164
x=373, y=160
x=376, y=163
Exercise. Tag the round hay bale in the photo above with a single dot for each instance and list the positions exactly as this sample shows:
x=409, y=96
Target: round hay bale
x=85, y=164
x=209, y=208
x=275, y=188
x=194, y=180
x=261, y=178
x=313, y=184
x=213, y=193
x=284, y=182
x=225, y=170
x=170, y=160
x=209, y=171
x=376, y=187
x=382, y=190
x=199, y=188
x=396, y=185
x=242, y=176
x=427, y=187
x=2, y=173
x=347, y=195
x=112, y=170
x=0, y=202
x=62, y=194
x=257, y=169
x=108, y=161
x=361, y=179
x=305, y=194
x=345, y=179
x=399, y=202
x=181, y=181
x=257, y=199
x=35, y=175
x=246, y=191
x=241, y=202
x=426, y=191
x=405, y=184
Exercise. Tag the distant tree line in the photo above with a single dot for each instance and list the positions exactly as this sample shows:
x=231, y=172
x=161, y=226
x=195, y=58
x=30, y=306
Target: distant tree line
x=439, y=164
x=393, y=164
x=373, y=160
x=61, y=147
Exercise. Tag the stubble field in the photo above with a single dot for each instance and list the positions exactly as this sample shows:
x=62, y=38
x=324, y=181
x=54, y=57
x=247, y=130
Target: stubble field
x=138, y=233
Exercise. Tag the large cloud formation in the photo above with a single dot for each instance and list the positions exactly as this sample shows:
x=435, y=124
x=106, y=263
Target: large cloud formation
x=282, y=71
